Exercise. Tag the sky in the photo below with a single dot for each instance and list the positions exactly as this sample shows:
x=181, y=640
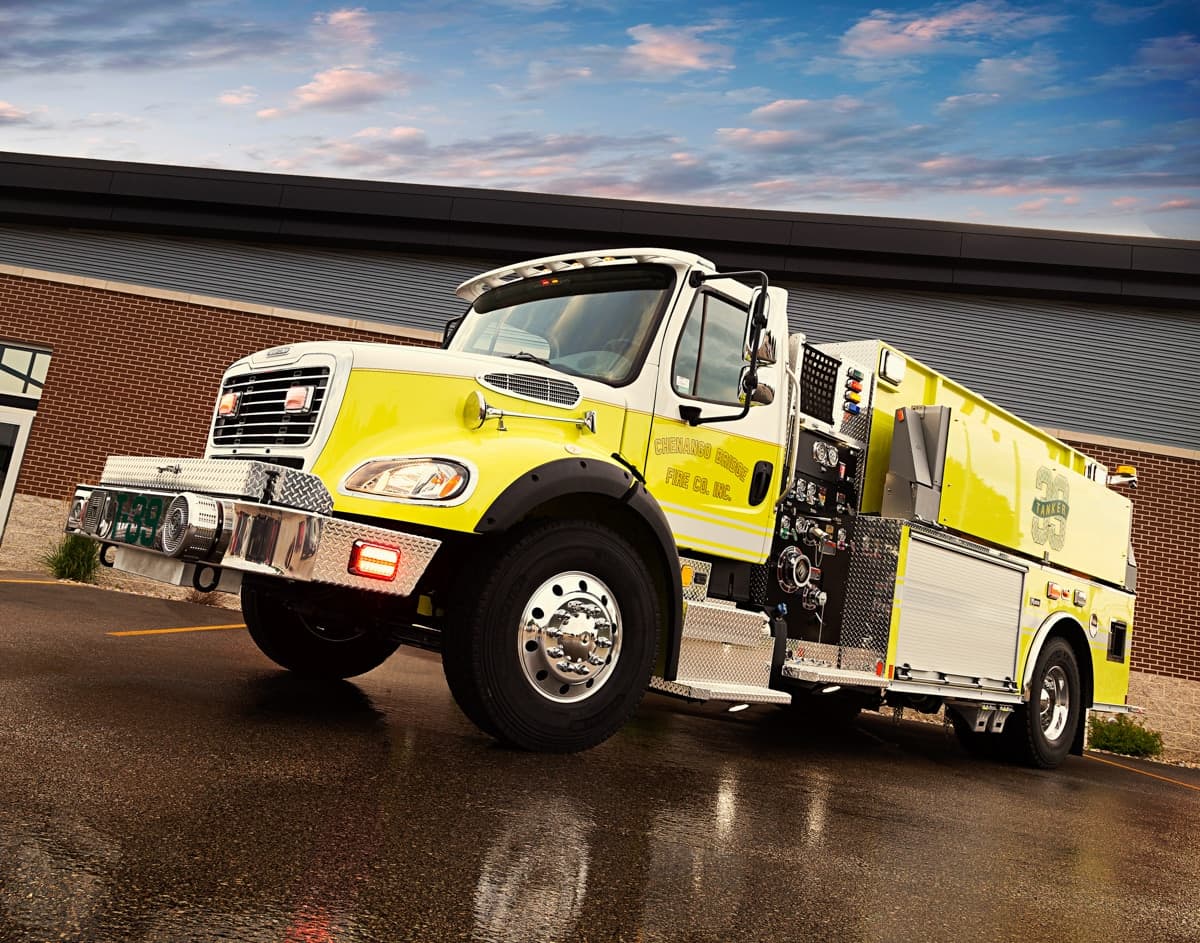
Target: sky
x=1080, y=116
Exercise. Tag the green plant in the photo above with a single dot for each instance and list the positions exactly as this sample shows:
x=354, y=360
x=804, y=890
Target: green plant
x=1124, y=735
x=73, y=558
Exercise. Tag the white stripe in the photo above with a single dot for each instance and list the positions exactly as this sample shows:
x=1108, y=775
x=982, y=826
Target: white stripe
x=730, y=541
x=719, y=519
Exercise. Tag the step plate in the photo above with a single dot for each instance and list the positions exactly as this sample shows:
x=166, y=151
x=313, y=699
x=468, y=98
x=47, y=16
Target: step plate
x=701, y=690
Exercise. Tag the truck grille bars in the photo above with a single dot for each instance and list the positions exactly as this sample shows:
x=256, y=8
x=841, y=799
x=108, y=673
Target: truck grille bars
x=278, y=407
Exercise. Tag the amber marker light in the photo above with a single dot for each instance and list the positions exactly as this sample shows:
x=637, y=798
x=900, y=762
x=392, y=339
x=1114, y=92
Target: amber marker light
x=298, y=400
x=228, y=406
x=376, y=561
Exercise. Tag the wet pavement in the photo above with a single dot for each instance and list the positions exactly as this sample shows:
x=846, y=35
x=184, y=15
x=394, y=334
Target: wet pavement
x=176, y=787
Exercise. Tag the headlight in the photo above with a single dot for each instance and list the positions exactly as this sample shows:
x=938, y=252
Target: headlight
x=414, y=479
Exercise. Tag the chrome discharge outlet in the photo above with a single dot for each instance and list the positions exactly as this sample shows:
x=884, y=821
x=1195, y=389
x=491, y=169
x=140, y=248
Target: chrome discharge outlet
x=192, y=526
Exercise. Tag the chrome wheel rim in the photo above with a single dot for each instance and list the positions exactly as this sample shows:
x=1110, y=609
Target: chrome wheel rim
x=1054, y=703
x=570, y=636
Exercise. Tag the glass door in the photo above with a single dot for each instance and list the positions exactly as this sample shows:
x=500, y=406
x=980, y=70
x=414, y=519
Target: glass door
x=14, y=431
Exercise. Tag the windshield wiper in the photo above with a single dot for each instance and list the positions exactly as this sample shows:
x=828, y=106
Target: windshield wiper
x=532, y=358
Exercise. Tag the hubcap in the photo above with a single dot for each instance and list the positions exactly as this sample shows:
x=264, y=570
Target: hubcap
x=1055, y=702
x=570, y=636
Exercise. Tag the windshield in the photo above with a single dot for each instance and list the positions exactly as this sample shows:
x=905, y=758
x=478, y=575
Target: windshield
x=595, y=323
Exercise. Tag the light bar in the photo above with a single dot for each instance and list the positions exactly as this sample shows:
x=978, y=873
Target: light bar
x=376, y=561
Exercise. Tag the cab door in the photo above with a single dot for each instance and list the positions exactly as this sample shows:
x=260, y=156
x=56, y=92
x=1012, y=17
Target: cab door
x=716, y=481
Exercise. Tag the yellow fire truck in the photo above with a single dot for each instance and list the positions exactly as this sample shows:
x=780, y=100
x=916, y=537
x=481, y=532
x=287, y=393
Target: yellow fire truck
x=621, y=473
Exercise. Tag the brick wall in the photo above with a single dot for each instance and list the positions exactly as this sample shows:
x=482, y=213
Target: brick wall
x=1166, y=544
x=130, y=374
x=138, y=375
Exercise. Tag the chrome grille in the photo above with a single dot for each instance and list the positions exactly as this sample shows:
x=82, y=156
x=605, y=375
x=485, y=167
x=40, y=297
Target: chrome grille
x=534, y=387
x=261, y=419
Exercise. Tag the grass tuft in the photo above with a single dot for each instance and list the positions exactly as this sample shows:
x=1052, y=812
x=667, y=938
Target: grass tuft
x=73, y=558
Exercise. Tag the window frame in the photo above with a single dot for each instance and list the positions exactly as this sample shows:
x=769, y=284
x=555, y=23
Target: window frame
x=744, y=307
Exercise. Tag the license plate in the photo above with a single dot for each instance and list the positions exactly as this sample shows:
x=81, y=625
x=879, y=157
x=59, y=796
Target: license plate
x=138, y=518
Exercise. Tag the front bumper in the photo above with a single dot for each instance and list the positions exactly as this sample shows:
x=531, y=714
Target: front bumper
x=205, y=522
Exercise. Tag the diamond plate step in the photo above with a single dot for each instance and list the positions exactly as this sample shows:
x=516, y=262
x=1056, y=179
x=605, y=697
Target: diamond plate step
x=827, y=674
x=702, y=690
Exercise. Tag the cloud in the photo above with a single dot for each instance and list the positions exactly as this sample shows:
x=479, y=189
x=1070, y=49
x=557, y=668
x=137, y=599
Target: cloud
x=1163, y=59
x=738, y=97
x=132, y=36
x=884, y=34
x=238, y=96
x=1015, y=75
x=973, y=101
x=1033, y=206
x=11, y=114
x=1119, y=14
x=346, y=27
x=339, y=89
x=1125, y=202
x=791, y=110
x=665, y=52
x=1181, y=204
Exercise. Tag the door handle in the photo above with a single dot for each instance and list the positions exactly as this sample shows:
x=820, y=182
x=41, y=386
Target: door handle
x=760, y=482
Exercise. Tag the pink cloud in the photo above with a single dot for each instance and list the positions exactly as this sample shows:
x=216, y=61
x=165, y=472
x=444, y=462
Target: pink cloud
x=786, y=109
x=884, y=34
x=1033, y=206
x=11, y=114
x=1125, y=202
x=238, y=96
x=1178, y=205
x=352, y=27
x=758, y=140
x=664, y=52
x=339, y=89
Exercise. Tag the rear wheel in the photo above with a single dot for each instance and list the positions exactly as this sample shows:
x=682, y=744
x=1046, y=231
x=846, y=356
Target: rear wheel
x=1046, y=726
x=305, y=643
x=553, y=649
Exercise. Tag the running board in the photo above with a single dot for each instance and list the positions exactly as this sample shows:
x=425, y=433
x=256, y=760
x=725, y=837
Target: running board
x=694, y=689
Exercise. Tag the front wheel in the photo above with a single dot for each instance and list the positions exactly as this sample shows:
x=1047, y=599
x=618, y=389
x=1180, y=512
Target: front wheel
x=1047, y=724
x=552, y=649
x=306, y=644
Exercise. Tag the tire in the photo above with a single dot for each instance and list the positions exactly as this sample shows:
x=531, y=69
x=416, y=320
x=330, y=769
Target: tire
x=1045, y=727
x=551, y=648
x=305, y=645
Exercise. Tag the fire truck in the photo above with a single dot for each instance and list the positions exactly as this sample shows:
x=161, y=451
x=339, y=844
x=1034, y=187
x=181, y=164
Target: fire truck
x=620, y=473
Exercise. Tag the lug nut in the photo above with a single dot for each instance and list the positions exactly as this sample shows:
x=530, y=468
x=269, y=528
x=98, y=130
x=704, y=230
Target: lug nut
x=555, y=652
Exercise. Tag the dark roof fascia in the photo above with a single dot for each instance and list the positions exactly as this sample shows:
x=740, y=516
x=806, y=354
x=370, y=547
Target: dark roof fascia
x=804, y=246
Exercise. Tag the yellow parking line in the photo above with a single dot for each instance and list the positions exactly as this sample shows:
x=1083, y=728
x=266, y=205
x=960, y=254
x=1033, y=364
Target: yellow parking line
x=190, y=628
x=38, y=582
x=1134, y=769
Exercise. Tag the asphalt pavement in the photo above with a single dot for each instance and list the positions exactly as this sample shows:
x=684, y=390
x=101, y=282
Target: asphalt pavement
x=175, y=786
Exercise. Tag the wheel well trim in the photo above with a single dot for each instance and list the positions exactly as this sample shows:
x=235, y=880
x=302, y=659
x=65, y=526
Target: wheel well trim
x=1066, y=625
x=583, y=476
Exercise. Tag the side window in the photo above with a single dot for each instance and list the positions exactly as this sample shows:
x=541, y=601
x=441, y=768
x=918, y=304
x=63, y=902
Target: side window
x=708, y=362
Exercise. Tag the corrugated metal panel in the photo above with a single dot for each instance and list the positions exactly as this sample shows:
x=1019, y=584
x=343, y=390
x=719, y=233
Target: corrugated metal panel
x=1124, y=372
x=395, y=288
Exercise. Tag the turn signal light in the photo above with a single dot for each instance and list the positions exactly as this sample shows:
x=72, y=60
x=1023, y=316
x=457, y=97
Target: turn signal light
x=298, y=400
x=376, y=561
x=228, y=406
x=1054, y=591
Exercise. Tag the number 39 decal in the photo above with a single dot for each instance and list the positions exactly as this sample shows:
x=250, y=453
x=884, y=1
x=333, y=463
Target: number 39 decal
x=1051, y=509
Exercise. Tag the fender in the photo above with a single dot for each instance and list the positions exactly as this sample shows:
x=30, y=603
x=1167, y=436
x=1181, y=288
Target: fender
x=1035, y=648
x=591, y=476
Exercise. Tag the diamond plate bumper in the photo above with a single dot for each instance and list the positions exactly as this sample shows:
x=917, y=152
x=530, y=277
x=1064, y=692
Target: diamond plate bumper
x=241, y=533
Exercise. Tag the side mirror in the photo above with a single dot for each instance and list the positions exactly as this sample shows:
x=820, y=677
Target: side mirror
x=754, y=390
x=768, y=350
